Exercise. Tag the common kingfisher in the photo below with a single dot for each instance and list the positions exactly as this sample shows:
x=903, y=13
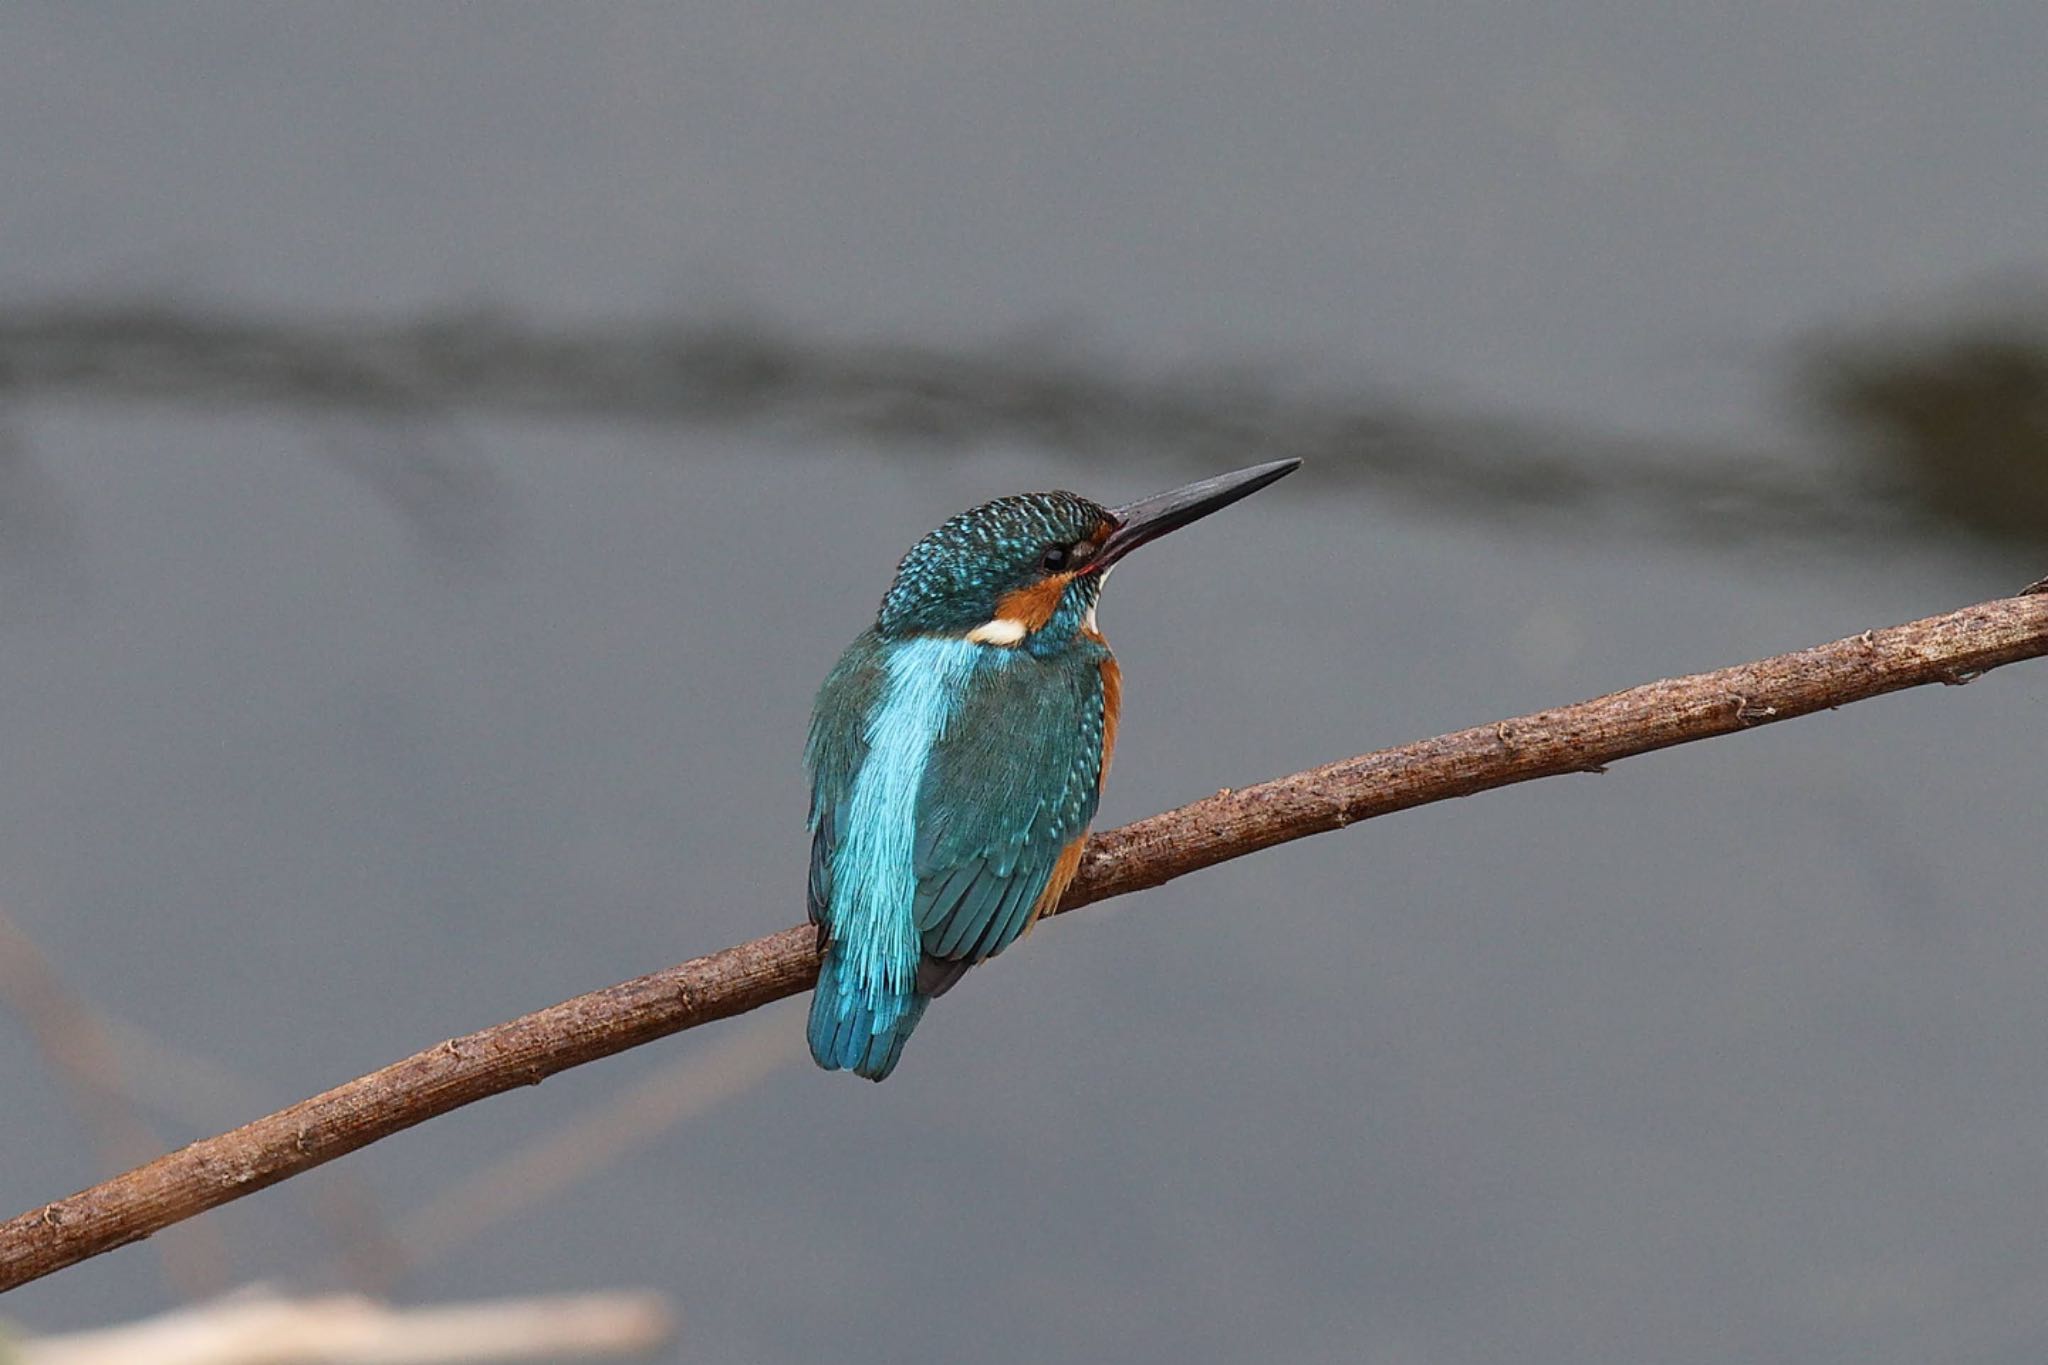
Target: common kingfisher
x=958, y=748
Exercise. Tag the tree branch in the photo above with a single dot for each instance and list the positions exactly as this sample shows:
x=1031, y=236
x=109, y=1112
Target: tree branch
x=1585, y=737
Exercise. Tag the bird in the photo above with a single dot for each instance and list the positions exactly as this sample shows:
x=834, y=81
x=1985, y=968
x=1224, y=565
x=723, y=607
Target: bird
x=958, y=748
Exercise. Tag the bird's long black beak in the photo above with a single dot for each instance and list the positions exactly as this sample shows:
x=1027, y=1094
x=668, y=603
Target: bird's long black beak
x=1143, y=521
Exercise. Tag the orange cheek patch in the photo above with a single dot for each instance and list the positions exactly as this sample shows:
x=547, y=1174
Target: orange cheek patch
x=1035, y=603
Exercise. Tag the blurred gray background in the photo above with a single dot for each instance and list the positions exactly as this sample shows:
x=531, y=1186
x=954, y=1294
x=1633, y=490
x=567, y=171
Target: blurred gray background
x=441, y=449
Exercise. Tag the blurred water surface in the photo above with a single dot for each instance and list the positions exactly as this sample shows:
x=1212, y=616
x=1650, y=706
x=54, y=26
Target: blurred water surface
x=439, y=456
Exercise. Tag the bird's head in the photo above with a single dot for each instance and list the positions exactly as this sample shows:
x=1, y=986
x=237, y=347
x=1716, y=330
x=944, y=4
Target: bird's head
x=1025, y=571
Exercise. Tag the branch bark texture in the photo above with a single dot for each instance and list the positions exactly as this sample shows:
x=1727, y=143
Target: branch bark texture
x=1584, y=737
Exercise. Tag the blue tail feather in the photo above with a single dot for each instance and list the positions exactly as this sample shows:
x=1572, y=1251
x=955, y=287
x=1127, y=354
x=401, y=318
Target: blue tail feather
x=843, y=1029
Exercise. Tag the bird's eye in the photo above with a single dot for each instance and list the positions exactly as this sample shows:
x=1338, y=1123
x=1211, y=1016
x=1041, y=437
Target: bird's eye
x=1055, y=559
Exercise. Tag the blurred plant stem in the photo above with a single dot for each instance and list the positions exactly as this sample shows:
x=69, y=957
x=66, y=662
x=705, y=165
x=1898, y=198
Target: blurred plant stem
x=113, y=1069
x=260, y=1328
x=83, y=1059
x=691, y=1085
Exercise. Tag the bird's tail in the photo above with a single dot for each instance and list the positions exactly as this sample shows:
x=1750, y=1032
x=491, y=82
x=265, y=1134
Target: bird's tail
x=851, y=1032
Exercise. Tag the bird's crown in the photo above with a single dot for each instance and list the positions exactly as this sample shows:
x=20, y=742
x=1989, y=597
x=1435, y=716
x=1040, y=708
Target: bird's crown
x=1026, y=570
x=1021, y=560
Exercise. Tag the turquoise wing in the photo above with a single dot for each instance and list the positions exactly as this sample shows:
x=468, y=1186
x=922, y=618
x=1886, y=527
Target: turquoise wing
x=834, y=752
x=1013, y=781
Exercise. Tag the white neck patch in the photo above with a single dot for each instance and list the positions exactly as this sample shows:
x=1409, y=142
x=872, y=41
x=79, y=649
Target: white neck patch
x=1004, y=630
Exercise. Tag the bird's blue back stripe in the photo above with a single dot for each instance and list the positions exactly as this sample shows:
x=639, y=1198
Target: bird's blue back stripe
x=874, y=883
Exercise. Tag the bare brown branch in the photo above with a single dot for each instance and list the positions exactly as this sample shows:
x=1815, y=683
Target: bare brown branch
x=78, y=1046
x=1585, y=737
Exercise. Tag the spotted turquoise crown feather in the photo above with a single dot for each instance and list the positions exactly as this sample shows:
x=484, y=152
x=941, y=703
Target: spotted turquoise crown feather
x=953, y=579
x=957, y=752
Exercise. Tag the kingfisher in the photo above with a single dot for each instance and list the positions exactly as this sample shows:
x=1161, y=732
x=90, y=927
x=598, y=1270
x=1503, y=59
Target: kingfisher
x=958, y=748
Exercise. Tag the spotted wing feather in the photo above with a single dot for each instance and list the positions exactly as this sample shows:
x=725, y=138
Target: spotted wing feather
x=1012, y=783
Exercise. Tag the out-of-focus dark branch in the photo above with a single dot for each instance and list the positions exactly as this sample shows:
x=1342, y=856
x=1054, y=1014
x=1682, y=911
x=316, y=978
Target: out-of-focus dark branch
x=1584, y=737
x=1943, y=413
x=906, y=397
